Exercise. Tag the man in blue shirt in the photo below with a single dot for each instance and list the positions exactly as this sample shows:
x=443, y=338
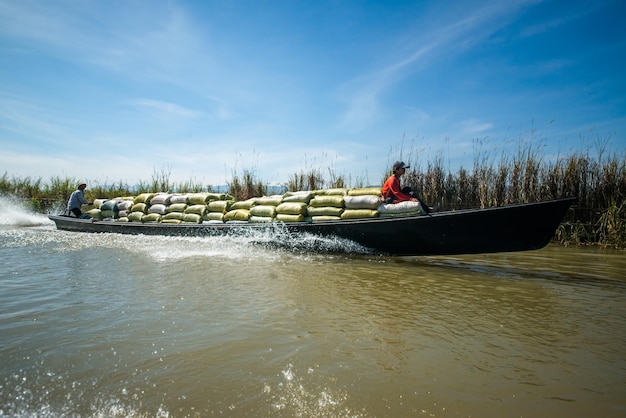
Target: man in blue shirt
x=77, y=199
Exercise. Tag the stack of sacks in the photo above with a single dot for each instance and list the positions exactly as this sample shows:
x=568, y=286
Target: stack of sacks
x=140, y=208
x=362, y=203
x=216, y=210
x=124, y=204
x=157, y=208
x=175, y=209
x=109, y=209
x=242, y=207
x=264, y=209
x=95, y=212
x=408, y=208
x=327, y=205
x=196, y=208
x=294, y=206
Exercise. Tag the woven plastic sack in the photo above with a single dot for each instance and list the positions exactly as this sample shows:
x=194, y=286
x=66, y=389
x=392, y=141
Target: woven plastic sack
x=123, y=219
x=282, y=217
x=332, y=192
x=108, y=214
x=292, y=208
x=219, y=206
x=362, y=202
x=198, y=209
x=325, y=218
x=151, y=218
x=177, y=207
x=124, y=204
x=110, y=205
x=94, y=214
x=179, y=198
x=267, y=211
x=135, y=216
x=139, y=207
x=159, y=208
x=400, y=215
x=213, y=216
x=304, y=197
x=359, y=213
x=161, y=199
x=402, y=207
x=260, y=219
x=237, y=215
x=192, y=218
x=170, y=221
x=244, y=204
x=327, y=200
x=364, y=191
x=324, y=211
x=273, y=200
x=173, y=215
x=198, y=198
x=143, y=198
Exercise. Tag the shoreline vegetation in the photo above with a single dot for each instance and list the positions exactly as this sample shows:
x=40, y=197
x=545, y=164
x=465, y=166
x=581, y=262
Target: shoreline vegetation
x=598, y=182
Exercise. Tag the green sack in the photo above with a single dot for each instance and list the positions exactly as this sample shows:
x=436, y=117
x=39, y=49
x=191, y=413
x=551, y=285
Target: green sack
x=139, y=207
x=173, y=216
x=94, y=214
x=213, y=216
x=263, y=210
x=359, y=214
x=171, y=221
x=198, y=209
x=176, y=207
x=273, y=200
x=151, y=218
x=123, y=219
x=324, y=211
x=304, y=197
x=327, y=192
x=281, y=217
x=292, y=208
x=143, y=198
x=327, y=200
x=219, y=206
x=135, y=216
x=244, y=204
x=325, y=218
x=197, y=198
x=192, y=218
x=109, y=205
x=364, y=191
x=260, y=219
x=108, y=214
x=237, y=215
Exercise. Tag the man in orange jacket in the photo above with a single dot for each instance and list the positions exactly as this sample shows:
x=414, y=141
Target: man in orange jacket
x=391, y=189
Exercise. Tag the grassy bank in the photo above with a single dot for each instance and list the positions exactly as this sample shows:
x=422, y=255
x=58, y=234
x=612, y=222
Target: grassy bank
x=598, y=182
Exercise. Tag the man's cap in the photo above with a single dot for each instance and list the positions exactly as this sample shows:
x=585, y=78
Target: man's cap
x=400, y=164
x=80, y=183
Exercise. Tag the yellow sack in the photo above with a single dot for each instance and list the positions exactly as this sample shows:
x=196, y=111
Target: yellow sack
x=237, y=215
x=292, y=208
x=359, y=214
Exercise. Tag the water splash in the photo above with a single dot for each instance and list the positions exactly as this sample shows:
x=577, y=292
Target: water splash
x=14, y=213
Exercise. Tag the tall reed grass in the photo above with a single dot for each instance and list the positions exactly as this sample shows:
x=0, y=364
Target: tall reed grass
x=598, y=182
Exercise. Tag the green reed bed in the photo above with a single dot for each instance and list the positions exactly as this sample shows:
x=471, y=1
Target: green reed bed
x=598, y=183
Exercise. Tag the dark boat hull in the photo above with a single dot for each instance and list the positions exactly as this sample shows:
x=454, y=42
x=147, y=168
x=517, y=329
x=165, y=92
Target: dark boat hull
x=503, y=229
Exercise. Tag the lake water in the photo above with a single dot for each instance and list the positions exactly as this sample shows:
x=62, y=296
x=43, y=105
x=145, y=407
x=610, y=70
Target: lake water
x=112, y=325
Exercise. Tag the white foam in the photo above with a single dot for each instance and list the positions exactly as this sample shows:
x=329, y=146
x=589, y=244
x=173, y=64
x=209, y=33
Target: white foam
x=14, y=212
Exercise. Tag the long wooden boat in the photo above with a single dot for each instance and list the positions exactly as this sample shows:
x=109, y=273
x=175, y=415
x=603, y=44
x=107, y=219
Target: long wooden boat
x=516, y=227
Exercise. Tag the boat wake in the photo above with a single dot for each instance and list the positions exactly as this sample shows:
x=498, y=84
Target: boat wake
x=14, y=213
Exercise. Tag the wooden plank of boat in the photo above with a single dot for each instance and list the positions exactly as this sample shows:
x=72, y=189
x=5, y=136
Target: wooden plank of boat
x=517, y=227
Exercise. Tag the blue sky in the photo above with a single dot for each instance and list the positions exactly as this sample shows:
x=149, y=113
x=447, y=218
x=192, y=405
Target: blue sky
x=113, y=91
